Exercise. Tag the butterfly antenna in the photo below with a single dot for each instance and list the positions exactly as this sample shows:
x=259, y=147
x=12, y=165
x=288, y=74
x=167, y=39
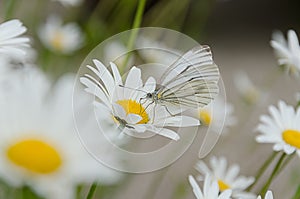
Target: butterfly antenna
x=133, y=88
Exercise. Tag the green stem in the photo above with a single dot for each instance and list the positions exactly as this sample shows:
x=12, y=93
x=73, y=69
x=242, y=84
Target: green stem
x=92, y=191
x=297, y=193
x=263, y=169
x=286, y=162
x=273, y=174
x=136, y=24
x=9, y=7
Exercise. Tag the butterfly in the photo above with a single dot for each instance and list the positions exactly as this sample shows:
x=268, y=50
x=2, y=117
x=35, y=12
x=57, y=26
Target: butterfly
x=191, y=81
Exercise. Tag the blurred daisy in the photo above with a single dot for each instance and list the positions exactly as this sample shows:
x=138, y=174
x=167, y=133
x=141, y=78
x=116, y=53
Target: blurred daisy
x=11, y=41
x=67, y=3
x=38, y=143
x=282, y=128
x=269, y=195
x=154, y=51
x=227, y=178
x=120, y=104
x=247, y=90
x=288, y=51
x=117, y=53
x=60, y=38
x=218, y=115
x=210, y=189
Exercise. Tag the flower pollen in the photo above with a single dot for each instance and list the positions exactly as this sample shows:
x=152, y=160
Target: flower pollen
x=222, y=185
x=35, y=156
x=205, y=117
x=292, y=137
x=133, y=107
x=57, y=41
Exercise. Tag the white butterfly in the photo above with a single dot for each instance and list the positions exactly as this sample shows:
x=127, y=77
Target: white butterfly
x=191, y=81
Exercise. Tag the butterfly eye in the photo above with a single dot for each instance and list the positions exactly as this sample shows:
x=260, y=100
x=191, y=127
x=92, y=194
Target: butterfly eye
x=149, y=95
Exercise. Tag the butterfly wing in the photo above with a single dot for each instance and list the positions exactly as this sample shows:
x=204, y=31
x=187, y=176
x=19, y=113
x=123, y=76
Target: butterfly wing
x=191, y=80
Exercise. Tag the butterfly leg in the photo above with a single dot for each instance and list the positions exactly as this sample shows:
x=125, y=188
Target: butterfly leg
x=168, y=110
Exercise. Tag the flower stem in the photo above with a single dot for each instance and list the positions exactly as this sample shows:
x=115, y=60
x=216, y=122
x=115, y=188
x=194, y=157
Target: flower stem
x=297, y=193
x=92, y=191
x=9, y=7
x=263, y=169
x=273, y=174
x=287, y=160
x=136, y=24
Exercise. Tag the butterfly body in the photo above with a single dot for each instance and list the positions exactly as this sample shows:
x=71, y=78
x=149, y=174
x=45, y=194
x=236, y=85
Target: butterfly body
x=191, y=81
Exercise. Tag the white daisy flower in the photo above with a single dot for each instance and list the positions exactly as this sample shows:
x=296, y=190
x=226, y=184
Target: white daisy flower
x=218, y=115
x=60, y=38
x=121, y=104
x=269, y=195
x=210, y=189
x=12, y=44
x=282, y=128
x=246, y=88
x=68, y=3
x=38, y=143
x=227, y=177
x=288, y=51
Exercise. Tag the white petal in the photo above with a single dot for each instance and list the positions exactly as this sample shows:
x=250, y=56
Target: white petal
x=133, y=118
x=150, y=85
x=133, y=82
x=164, y=132
x=105, y=76
x=119, y=111
x=269, y=195
x=116, y=73
x=196, y=189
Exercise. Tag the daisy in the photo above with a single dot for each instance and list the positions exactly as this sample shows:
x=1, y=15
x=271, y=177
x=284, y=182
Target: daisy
x=269, y=195
x=121, y=104
x=282, y=128
x=210, y=189
x=246, y=88
x=156, y=52
x=60, y=38
x=287, y=52
x=116, y=52
x=38, y=143
x=12, y=44
x=227, y=177
x=218, y=115
x=67, y=3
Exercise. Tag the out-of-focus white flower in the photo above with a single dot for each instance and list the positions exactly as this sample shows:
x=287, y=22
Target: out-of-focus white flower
x=60, y=38
x=121, y=105
x=247, y=90
x=38, y=143
x=69, y=2
x=282, y=128
x=227, y=177
x=218, y=115
x=156, y=52
x=116, y=52
x=210, y=189
x=12, y=44
x=288, y=51
x=269, y=195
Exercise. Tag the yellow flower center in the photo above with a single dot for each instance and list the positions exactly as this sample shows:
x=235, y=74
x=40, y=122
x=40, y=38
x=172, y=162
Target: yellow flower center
x=292, y=137
x=222, y=185
x=133, y=107
x=57, y=41
x=35, y=156
x=251, y=96
x=205, y=117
